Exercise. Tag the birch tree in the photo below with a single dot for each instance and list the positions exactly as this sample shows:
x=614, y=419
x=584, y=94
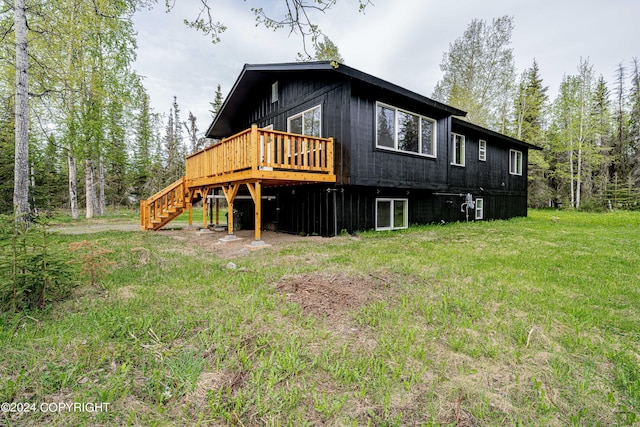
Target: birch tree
x=21, y=156
x=574, y=146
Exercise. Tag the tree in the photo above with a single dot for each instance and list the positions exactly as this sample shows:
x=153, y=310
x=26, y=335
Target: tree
x=576, y=153
x=192, y=130
x=602, y=122
x=143, y=158
x=173, y=143
x=620, y=153
x=326, y=50
x=479, y=72
x=634, y=123
x=21, y=157
x=218, y=100
x=528, y=125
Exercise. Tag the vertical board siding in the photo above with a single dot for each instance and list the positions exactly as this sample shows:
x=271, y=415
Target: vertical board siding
x=365, y=172
x=309, y=209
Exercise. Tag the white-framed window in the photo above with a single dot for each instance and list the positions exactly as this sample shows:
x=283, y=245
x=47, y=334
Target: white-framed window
x=402, y=130
x=482, y=150
x=392, y=214
x=457, y=149
x=515, y=162
x=274, y=92
x=479, y=208
x=309, y=122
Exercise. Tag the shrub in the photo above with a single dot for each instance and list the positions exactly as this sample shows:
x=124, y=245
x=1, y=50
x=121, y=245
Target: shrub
x=33, y=268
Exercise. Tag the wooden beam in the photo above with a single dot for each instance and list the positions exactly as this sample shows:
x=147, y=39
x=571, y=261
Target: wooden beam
x=256, y=194
x=205, y=207
x=230, y=194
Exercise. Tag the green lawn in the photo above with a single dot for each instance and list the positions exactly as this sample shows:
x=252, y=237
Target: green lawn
x=528, y=322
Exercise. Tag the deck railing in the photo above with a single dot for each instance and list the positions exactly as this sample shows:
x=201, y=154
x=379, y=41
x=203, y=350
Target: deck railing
x=163, y=206
x=262, y=150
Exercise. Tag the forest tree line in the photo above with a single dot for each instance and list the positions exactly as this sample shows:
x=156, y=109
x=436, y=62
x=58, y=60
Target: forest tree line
x=94, y=140
x=589, y=133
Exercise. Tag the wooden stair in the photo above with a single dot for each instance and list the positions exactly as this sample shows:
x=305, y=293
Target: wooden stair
x=161, y=208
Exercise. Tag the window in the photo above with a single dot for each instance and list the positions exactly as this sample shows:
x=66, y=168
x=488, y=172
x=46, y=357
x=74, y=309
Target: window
x=479, y=208
x=405, y=131
x=392, y=214
x=274, y=92
x=308, y=122
x=457, y=148
x=482, y=150
x=515, y=162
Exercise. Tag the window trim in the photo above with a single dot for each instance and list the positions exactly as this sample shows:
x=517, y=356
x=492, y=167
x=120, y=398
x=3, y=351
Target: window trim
x=479, y=210
x=482, y=150
x=517, y=170
x=453, y=150
x=274, y=92
x=301, y=114
x=393, y=201
x=395, y=136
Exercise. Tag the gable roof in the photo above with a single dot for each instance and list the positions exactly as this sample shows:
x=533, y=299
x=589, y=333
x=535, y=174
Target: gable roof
x=255, y=75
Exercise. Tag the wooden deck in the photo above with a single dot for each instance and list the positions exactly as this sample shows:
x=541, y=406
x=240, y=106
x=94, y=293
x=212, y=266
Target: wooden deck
x=254, y=157
x=271, y=156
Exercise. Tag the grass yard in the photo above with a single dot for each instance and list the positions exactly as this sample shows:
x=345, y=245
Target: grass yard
x=527, y=322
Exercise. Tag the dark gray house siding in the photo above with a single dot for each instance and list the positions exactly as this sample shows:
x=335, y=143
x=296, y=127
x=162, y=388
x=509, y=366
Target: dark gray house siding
x=431, y=189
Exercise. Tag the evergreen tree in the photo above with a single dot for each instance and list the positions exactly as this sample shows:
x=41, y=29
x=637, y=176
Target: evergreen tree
x=602, y=121
x=175, y=163
x=142, y=160
x=528, y=125
x=634, y=124
x=218, y=100
x=620, y=153
x=192, y=130
x=7, y=143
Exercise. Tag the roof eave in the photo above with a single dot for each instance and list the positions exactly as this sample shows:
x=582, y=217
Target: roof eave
x=463, y=123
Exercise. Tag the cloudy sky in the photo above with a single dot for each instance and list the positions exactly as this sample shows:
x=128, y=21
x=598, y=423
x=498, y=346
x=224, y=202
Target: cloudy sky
x=401, y=41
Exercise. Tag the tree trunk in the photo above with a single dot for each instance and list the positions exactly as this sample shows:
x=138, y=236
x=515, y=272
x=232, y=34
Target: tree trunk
x=21, y=165
x=102, y=204
x=571, y=172
x=579, y=177
x=73, y=186
x=90, y=189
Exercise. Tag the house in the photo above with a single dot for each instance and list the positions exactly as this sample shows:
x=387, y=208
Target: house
x=321, y=148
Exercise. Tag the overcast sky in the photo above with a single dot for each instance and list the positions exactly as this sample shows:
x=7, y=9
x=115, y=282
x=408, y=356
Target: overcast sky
x=401, y=41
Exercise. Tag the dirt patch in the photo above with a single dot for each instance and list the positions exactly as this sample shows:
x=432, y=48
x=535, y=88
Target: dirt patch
x=95, y=228
x=329, y=294
x=195, y=242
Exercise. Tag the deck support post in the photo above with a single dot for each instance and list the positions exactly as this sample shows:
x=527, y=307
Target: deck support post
x=190, y=208
x=205, y=207
x=230, y=193
x=256, y=194
x=217, y=211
